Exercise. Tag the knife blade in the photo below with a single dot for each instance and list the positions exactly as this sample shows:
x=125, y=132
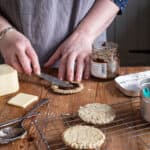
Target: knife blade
x=54, y=80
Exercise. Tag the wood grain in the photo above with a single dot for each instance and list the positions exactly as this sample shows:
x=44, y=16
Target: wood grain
x=95, y=91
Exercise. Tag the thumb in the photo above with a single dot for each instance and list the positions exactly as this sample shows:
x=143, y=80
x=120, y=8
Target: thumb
x=53, y=58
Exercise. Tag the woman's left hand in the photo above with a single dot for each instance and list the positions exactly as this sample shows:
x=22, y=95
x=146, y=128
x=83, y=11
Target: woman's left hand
x=74, y=54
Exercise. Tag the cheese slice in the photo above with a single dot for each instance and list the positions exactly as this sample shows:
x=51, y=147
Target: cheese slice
x=8, y=80
x=22, y=100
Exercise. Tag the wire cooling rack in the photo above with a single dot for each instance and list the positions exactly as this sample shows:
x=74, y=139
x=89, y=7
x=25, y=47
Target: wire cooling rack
x=127, y=131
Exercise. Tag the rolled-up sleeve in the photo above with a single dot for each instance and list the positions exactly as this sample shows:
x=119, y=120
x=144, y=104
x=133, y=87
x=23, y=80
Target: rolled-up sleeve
x=122, y=4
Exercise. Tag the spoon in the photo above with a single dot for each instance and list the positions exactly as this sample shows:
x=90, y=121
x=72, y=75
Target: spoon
x=11, y=133
x=13, y=129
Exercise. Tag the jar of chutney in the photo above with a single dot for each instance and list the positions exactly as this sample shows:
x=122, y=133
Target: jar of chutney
x=105, y=60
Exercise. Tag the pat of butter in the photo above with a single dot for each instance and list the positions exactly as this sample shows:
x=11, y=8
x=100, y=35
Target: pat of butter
x=8, y=80
x=23, y=100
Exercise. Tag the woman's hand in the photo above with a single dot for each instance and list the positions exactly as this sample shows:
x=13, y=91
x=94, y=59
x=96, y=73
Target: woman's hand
x=17, y=51
x=75, y=51
x=74, y=55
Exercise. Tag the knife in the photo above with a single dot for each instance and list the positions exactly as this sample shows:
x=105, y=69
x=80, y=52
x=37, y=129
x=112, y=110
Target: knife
x=54, y=80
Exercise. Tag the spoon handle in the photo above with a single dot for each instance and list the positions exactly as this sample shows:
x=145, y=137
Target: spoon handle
x=36, y=106
x=30, y=114
x=13, y=121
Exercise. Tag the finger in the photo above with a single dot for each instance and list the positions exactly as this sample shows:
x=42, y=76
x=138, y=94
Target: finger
x=62, y=68
x=25, y=62
x=34, y=60
x=15, y=64
x=79, y=68
x=53, y=58
x=71, y=66
x=87, y=68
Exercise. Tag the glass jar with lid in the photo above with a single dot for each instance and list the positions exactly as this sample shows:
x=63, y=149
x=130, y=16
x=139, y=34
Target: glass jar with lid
x=105, y=60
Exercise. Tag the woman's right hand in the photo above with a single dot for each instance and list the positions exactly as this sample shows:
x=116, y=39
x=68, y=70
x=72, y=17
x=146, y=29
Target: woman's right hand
x=18, y=52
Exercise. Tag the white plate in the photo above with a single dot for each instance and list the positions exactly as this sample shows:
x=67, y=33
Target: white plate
x=129, y=84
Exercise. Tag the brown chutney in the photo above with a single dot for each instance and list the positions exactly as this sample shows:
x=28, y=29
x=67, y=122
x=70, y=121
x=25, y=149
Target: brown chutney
x=105, y=60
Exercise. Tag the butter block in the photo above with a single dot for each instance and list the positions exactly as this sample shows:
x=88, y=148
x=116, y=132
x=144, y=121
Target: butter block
x=23, y=100
x=8, y=80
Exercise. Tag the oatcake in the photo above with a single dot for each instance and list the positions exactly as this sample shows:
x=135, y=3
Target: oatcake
x=78, y=87
x=83, y=137
x=97, y=113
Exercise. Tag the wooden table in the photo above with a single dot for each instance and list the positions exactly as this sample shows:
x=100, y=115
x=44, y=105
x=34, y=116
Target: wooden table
x=94, y=91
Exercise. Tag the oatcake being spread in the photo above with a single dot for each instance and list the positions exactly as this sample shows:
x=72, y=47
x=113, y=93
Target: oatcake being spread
x=77, y=87
x=97, y=113
x=83, y=137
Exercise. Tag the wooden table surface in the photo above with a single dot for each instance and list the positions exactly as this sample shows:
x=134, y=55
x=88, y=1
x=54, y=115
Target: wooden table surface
x=94, y=91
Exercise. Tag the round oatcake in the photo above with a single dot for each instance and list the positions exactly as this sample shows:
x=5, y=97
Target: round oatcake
x=97, y=113
x=77, y=87
x=83, y=137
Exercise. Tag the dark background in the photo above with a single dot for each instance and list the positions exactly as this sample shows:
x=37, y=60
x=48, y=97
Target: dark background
x=132, y=32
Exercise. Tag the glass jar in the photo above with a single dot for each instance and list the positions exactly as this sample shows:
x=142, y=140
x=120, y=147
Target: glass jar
x=144, y=86
x=105, y=60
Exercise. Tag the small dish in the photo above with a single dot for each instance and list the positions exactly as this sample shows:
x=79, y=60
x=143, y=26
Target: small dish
x=129, y=84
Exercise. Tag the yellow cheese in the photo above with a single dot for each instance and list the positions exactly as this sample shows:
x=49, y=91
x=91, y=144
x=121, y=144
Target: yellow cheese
x=23, y=100
x=8, y=80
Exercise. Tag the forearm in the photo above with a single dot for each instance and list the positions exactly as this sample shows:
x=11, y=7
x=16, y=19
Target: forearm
x=4, y=23
x=99, y=18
